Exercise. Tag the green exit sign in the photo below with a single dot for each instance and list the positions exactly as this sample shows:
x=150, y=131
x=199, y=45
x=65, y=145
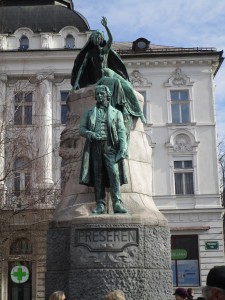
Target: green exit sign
x=212, y=245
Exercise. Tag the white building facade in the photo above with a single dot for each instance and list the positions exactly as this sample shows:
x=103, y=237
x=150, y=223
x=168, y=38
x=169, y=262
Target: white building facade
x=179, y=92
x=178, y=87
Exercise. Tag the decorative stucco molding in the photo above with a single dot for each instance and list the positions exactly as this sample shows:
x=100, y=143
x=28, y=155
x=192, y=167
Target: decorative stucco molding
x=138, y=80
x=3, y=77
x=182, y=141
x=178, y=79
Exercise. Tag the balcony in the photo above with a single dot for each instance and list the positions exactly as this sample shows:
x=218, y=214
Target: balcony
x=35, y=199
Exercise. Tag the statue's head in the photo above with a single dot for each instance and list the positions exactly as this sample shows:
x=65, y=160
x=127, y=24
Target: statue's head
x=97, y=38
x=102, y=94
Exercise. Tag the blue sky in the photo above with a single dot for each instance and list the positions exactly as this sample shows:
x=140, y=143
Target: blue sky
x=179, y=23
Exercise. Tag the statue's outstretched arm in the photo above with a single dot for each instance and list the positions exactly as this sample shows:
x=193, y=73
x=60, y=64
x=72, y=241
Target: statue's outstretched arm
x=110, y=38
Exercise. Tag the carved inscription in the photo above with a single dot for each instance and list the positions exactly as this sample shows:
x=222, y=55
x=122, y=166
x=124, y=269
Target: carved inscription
x=110, y=239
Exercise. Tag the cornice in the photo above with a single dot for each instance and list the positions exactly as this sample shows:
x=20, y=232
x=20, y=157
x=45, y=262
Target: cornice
x=175, y=62
x=190, y=228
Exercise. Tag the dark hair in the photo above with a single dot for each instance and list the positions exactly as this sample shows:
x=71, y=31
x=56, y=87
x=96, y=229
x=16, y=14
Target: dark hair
x=189, y=291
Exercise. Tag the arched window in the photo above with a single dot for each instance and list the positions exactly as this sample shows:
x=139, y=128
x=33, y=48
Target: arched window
x=182, y=150
x=24, y=42
x=21, y=246
x=70, y=42
x=22, y=176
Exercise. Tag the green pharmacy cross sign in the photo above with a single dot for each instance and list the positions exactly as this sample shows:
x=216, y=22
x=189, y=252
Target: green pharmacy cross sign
x=19, y=274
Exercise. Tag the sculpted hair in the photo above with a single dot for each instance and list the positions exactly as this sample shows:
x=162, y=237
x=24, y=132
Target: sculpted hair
x=93, y=36
x=106, y=89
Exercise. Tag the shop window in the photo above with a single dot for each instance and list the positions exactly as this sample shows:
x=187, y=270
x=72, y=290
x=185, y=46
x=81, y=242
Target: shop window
x=23, y=108
x=64, y=108
x=185, y=260
x=183, y=174
x=19, y=280
x=22, y=176
x=180, y=106
x=19, y=271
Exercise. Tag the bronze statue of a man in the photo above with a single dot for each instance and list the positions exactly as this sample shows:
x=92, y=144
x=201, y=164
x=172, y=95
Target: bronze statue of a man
x=104, y=151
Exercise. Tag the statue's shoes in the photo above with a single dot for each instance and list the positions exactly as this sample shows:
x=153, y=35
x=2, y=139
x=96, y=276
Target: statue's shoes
x=119, y=209
x=100, y=209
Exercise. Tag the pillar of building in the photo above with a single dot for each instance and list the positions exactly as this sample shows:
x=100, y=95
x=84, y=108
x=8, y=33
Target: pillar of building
x=3, y=81
x=43, y=112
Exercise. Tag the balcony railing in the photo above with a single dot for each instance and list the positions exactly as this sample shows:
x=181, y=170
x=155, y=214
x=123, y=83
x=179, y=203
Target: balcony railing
x=37, y=199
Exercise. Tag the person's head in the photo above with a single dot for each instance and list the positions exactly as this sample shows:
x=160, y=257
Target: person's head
x=97, y=38
x=200, y=298
x=115, y=295
x=102, y=94
x=190, y=291
x=180, y=294
x=215, y=284
x=58, y=295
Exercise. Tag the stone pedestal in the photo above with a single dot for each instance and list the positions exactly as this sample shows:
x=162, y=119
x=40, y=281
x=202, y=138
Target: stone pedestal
x=88, y=255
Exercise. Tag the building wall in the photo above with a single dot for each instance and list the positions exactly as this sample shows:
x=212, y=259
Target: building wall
x=30, y=225
x=47, y=73
x=198, y=214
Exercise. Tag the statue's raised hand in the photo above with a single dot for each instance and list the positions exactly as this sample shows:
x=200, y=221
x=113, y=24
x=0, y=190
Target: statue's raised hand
x=104, y=21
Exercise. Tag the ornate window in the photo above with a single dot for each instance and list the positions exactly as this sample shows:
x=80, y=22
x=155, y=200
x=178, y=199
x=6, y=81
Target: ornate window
x=22, y=176
x=23, y=108
x=64, y=108
x=179, y=98
x=69, y=41
x=180, y=106
x=183, y=175
x=182, y=155
x=24, y=42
